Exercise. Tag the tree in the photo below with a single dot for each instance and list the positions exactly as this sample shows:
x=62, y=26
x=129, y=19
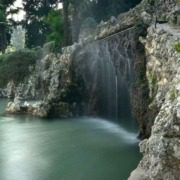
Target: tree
x=55, y=23
x=67, y=30
x=36, y=27
x=4, y=4
x=2, y=29
x=73, y=11
x=76, y=11
x=104, y=9
x=80, y=10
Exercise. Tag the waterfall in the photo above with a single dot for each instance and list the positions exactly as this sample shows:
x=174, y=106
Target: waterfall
x=116, y=91
x=106, y=67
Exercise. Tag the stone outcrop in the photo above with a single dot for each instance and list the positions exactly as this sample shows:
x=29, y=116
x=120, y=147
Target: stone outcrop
x=48, y=90
x=144, y=13
x=161, y=152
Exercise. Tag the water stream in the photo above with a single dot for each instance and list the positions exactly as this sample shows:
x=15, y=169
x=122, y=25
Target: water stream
x=74, y=149
x=106, y=68
x=116, y=97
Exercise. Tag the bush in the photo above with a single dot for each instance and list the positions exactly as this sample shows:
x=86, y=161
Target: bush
x=15, y=66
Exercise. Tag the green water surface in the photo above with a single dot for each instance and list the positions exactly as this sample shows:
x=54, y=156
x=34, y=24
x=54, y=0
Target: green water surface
x=74, y=149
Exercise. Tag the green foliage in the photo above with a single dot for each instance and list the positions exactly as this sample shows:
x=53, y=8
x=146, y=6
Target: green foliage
x=15, y=66
x=55, y=23
x=36, y=27
x=154, y=79
x=4, y=4
x=153, y=83
x=2, y=16
x=2, y=28
x=177, y=47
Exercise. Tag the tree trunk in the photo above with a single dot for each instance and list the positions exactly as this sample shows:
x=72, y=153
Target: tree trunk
x=75, y=25
x=67, y=31
x=3, y=39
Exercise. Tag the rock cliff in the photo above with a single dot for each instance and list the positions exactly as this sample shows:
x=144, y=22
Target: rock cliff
x=161, y=152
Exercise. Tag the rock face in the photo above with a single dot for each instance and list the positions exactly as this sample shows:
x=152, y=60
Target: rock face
x=51, y=88
x=161, y=152
x=144, y=13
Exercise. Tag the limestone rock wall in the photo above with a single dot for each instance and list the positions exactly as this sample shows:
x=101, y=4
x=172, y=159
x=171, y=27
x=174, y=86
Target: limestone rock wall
x=144, y=13
x=50, y=86
x=161, y=152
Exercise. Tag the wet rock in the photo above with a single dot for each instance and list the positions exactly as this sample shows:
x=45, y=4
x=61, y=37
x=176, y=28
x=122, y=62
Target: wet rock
x=146, y=17
x=11, y=90
x=3, y=93
x=139, y=174
x=61, y=109
x=16, y=107
x=40, y=110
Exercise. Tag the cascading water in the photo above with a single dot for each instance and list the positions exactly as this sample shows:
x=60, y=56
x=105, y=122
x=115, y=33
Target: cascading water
x=116, y=80
x=106, y=66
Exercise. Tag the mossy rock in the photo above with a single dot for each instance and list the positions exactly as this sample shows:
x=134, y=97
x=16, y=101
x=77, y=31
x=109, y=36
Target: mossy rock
x=177, y=47
x=173, y=94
